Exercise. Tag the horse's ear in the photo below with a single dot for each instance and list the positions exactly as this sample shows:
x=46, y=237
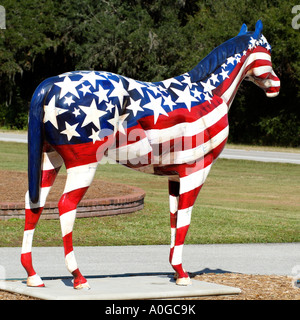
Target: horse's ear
x=258, y=29
x=243, y=30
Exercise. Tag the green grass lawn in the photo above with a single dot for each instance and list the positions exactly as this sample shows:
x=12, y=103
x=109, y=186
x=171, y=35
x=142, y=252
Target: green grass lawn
x=241, y=202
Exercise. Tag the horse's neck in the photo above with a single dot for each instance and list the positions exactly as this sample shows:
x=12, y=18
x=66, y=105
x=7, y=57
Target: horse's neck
x=227, y=89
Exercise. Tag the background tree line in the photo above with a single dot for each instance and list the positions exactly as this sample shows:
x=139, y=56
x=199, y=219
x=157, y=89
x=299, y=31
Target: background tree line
x=149, y=40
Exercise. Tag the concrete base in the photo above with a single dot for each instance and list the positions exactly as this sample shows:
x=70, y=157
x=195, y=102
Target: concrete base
x=119, y=288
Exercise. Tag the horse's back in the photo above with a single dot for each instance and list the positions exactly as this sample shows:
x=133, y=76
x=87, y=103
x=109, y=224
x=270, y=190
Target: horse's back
x=75, y=105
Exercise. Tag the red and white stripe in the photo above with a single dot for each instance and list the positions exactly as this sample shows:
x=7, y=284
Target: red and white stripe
x=50, y=166
x=184, y=142
x=78, y=180
x=257, y=62
x=182, y=195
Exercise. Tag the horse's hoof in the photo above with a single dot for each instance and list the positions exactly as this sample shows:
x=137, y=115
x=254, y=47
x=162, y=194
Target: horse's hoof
x=35, y=281
x=176, y=275
x=82, y=286
x=183, y=281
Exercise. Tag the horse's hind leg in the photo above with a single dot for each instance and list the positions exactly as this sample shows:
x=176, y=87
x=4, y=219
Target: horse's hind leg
x=78, y=180
x=51, y=164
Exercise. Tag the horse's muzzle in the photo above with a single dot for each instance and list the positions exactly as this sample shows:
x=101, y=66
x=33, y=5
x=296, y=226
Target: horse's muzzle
x=272, y=86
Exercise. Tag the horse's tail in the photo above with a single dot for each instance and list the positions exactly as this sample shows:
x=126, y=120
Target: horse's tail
x=36, y=138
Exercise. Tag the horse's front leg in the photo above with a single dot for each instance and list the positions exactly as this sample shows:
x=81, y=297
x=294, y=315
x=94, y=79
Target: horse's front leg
x=173, y=201
x=183, y=195
x=180, y=222
x=78, y=180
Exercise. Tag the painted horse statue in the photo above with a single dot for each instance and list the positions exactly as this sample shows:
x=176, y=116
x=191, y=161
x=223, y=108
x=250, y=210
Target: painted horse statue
x=176, y=128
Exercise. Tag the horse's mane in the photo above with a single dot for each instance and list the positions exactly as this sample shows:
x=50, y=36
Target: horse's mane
x=219, y=55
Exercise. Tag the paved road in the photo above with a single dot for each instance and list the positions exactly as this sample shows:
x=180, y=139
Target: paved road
x=265, y=259
x=13, y=137
x=265, y=156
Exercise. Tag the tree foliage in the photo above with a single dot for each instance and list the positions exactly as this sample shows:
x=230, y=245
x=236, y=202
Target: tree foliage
x=149, y=40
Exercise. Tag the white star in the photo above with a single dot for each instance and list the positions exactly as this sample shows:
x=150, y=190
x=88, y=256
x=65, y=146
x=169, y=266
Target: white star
x=263, y=39
x=252, y=42
x=135, y=106
x=153, y=89
x=122, y=118
x=68, y=86
x=224, y=74
x=93, y=115
x=162, y=89
x=51, y=112
x=197, y=93
x=185, y=97
x=76, y=112
x=70, y=131
x=155, y=105
x=114, y=121
x=95, y=136
x=92, y=77
x=187, y=80
x=214, y=78
x=207, y=87
x=85, y=89
x=69, y=100
x=101, y=94
x=168, y=82
x=105, y=74
x=237, y=57
x=65, y=74
x=109, y=106
x=207, y=97
x=117, y=121
x=119, y=91
x=169, y=102
x=133, y=84
x=230, y=60
x=268, y=47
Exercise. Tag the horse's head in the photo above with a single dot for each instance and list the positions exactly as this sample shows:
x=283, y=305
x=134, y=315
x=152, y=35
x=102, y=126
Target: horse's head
x=259, y=69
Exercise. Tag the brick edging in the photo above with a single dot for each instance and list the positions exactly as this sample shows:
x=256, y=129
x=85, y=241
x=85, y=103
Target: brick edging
x=86, y=208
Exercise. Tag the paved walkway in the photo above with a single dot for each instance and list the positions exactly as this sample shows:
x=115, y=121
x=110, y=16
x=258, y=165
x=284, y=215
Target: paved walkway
x=264, y=259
